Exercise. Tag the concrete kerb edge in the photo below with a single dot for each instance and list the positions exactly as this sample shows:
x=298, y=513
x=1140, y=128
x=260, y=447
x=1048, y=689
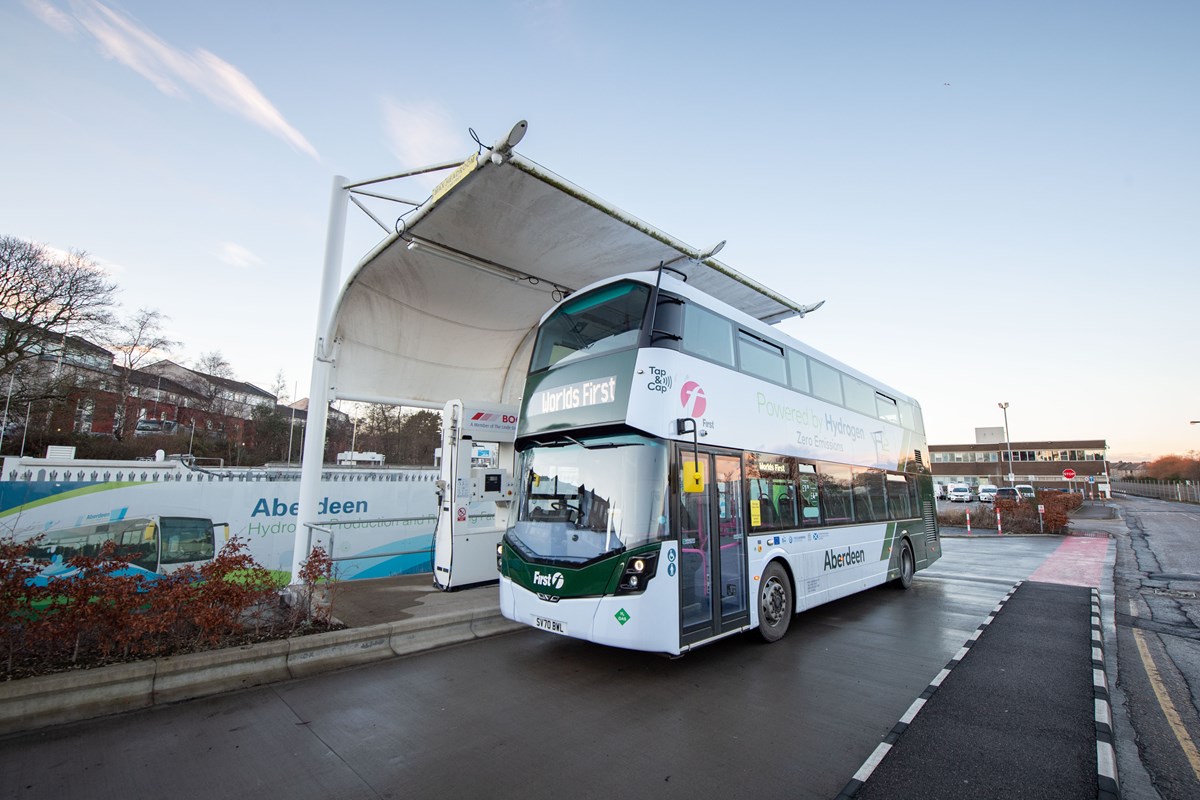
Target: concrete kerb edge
x=194, y=675
x=425, y=633
x=31, y=703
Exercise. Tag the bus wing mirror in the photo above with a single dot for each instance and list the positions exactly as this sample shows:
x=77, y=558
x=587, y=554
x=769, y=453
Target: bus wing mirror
x=693, y=477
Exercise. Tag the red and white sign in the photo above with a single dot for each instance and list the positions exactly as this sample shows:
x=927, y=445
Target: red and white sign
x=1069, y=474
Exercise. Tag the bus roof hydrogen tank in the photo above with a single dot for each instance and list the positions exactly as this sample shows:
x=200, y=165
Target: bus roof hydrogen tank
x=686, y=472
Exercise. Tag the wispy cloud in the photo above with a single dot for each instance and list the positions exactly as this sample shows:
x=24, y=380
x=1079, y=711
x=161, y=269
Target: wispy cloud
x=420, y=134
x=63, y=23
x=172, y=70
x=238, y=256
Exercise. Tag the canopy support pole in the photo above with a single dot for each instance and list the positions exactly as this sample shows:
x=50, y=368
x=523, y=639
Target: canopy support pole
x=324, y=373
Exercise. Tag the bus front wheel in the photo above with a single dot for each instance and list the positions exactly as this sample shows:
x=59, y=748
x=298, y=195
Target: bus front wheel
x=906, y=567
x=775, y=604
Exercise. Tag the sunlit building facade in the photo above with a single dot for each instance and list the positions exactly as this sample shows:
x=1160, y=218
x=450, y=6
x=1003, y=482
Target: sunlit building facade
x=1039, y=463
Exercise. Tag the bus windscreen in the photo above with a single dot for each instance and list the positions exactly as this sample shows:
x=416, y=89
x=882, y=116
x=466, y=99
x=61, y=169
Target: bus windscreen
x=186, y=539
x=607, y=319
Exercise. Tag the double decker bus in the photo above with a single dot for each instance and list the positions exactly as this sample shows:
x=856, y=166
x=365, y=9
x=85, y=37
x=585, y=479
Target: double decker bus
x=686, y=472
x=151, y=546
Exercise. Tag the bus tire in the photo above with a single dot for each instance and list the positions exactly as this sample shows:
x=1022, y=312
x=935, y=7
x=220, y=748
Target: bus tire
x=775, y=603
x=907, y=567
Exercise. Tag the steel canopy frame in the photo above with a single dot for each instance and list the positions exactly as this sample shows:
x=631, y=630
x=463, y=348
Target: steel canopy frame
x=446, y=305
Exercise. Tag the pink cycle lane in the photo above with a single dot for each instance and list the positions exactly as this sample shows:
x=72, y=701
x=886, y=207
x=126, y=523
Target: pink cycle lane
x=1078, y=561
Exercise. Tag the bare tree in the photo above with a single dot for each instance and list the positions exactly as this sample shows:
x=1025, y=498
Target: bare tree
x=279, y=389
x=214, y=364
x=134, y=341
x=49, y=304
x=44, y=298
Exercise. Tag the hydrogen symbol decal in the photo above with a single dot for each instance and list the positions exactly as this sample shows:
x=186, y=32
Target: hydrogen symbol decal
x=693, y=399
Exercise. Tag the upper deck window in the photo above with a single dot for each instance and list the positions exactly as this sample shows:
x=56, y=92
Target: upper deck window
x=798, y=370
x=826, y=382
x=707, y=335
x=761, y=358
x=859, y=397
x=888, y=411
x=608, y=318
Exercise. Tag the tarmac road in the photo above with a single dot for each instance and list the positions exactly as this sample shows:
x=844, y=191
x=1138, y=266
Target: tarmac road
x=1157, y=582
x=533, y=715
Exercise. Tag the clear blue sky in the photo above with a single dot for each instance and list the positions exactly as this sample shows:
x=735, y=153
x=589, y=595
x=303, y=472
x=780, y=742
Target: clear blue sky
x=998, y=201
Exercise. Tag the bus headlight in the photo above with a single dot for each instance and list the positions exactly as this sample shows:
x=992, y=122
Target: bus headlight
x=637, y=573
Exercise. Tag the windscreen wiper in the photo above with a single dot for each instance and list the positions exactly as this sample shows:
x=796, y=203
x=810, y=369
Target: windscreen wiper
x=609, y=445
x=567, y=440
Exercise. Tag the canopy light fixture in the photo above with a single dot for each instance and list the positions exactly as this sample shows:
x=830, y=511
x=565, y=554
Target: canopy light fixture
x=462, y=259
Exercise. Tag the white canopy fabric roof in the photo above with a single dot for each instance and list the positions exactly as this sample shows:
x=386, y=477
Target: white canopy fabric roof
x=446, y=307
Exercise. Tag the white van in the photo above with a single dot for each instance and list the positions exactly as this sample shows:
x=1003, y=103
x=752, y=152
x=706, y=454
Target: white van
x=154, y=427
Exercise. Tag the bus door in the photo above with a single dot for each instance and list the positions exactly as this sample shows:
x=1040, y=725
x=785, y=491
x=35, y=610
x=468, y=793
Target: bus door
x=714, y=596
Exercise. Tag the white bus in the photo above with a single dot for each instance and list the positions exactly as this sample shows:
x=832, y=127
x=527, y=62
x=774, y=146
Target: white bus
x=686, y=472
x=151, y=546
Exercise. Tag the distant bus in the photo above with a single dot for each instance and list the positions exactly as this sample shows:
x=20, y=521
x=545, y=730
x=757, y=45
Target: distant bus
x=687, y=472
x=153, y=545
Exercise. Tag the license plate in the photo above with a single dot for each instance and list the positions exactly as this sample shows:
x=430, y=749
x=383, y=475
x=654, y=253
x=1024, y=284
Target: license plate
x=552, y=625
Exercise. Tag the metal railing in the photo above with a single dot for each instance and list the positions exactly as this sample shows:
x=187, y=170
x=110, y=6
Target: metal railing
x=1179, y=491
x=326, y=530
x=159, y=474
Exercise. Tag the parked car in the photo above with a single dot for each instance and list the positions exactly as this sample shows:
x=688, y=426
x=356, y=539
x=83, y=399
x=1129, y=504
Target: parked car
x=1007, y=493
x=1026, y=491
x=960, y=494
x=153, y=427
x=987, y=493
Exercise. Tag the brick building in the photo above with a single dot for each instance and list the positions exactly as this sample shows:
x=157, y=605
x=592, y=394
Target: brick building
x=86, y=375
x=1039, y=463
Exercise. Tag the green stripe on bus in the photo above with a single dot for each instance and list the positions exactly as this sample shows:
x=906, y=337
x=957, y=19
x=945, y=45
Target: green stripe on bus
x=593, y=580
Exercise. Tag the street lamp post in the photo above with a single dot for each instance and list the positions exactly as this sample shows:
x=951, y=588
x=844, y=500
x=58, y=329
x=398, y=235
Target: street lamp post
x=1007, y=442
x=4, y=427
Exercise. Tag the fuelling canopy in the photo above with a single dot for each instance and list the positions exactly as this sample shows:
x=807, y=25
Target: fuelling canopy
x=446, y=307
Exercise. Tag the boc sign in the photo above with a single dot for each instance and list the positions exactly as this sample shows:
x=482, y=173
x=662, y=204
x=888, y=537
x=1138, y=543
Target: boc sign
x=1069, y=474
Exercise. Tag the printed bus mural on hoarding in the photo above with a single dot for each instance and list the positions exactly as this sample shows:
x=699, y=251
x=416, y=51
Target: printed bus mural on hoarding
x=382, y=520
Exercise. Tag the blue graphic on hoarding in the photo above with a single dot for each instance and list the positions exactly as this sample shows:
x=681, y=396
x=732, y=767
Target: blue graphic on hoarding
x=57, y=570
x=19, y=493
